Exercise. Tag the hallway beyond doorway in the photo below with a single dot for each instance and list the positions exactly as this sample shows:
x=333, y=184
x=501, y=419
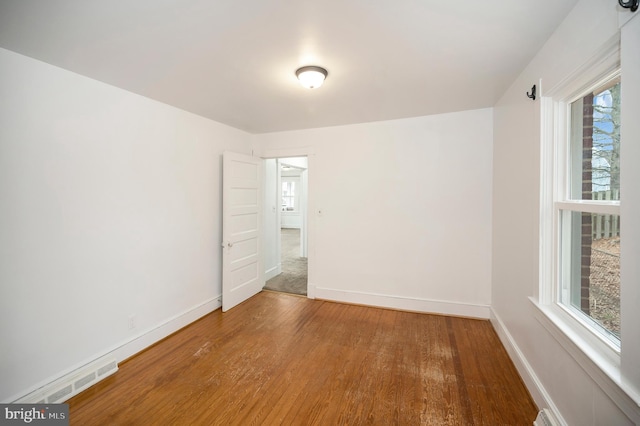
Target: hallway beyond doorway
x=293, y=278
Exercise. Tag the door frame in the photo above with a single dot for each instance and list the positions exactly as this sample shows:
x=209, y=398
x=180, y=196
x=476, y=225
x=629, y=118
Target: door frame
x=309, y=152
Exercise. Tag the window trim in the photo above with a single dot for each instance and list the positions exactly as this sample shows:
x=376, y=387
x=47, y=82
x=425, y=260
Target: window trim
x=594, y=353
x=588, y=206
x=562, y=202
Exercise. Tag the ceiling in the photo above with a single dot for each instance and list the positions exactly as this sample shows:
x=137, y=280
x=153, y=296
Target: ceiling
x=234, y=61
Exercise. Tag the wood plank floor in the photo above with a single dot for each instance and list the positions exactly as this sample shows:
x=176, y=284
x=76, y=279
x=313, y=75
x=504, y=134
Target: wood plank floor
x=283, y=359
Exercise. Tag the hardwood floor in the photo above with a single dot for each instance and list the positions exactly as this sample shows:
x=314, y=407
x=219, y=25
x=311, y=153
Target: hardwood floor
x=283, y=359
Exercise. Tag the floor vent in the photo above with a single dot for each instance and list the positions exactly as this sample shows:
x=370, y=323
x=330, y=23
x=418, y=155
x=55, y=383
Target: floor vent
x=73, y=383
x=546, y=418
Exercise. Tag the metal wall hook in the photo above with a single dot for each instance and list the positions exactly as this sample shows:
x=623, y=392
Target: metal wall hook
x=631, y=4
x=533, y=93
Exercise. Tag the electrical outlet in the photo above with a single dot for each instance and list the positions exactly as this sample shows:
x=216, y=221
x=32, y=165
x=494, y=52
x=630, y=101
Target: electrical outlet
x=133, y=323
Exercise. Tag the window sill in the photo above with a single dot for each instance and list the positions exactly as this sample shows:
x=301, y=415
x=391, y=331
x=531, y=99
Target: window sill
x=603, y=366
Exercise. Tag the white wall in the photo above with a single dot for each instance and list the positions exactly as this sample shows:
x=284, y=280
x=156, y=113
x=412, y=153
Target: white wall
x=552, y=373
x=405, y=210
x=271, y=236
x=110, y=208
x=300, y=162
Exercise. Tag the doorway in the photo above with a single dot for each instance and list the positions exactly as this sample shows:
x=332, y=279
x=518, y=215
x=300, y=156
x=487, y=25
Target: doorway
x=286, y=267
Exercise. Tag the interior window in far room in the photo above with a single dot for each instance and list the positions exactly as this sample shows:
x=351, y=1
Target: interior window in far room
x=289, y=195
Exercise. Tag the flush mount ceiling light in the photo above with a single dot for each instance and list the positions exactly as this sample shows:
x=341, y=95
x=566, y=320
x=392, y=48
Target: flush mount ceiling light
x=311, y=77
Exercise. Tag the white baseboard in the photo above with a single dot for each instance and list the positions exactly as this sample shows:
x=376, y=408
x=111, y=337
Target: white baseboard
x=164, y=329
x=403, y=303
x=71, y=384
x=273, y=272
x=311, y=290
x=67, y=379
x=534, y=385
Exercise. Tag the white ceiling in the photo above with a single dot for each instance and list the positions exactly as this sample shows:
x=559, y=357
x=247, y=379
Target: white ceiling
x=234, y=60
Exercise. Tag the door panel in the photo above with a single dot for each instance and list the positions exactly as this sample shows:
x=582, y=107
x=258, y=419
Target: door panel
x=242, y=275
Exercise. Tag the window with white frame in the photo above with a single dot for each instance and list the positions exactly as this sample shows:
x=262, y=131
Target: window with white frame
x=583, y=207
x=290, y=194
x=587, y=208
x=589, y=230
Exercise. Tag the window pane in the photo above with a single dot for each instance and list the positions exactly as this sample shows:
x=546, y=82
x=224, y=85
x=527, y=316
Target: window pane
x=288, y=196
x=590, y=268
x=595, y=145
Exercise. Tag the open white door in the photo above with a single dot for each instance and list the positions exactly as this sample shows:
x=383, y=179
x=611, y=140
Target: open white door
x=242, y=274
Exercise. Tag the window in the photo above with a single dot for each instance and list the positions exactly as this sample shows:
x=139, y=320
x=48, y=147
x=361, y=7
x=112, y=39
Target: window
x=588, y=209
x=580, y=246
x=589, y=227
x=290, y=194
